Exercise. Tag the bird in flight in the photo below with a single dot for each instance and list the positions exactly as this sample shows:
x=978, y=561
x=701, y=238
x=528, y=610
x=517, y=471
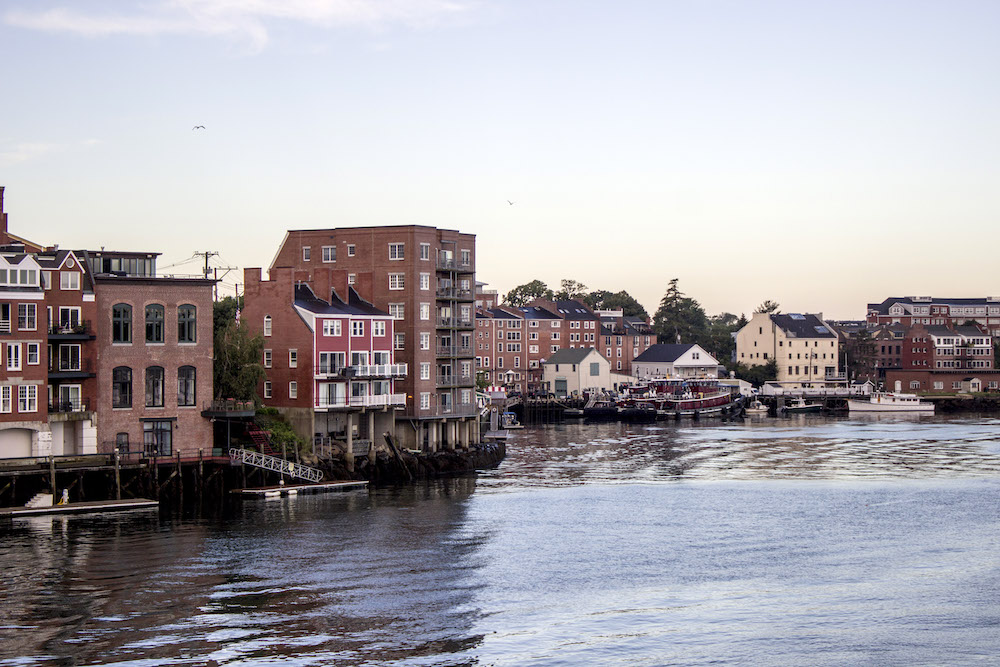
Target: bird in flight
x=198, y=127
x=510, y=202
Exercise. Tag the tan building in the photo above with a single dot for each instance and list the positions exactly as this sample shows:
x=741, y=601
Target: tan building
x=803, y=346
x=575, y=370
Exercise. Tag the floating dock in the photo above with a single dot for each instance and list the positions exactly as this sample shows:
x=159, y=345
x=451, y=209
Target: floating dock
x=295, y=489
x=78, y=508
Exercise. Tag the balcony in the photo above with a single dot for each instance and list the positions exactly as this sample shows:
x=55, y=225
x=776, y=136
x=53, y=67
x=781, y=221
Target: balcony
x=69, y=406
x=348, y=402
x=83, y=368
x=464, y=410
x=454, y=381
x=221, y=408
x=5, y=326
x=71, y=331
x=454, y=293
x=454, y=351
x=325, y=371
x=445, y=264
x=454, y=323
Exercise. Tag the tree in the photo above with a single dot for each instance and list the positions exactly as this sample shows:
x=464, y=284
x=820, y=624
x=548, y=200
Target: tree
x=224, y=311
x=679, y=318
x=719, y=339
x=571, y=290
x=237, y=369
x=767, y=307
x=759, y=374
x=605, y=300
x=523, y=294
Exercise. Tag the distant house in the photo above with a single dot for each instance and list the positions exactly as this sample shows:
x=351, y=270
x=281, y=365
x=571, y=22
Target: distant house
x=675, y=360
x=573, y=370
x=803, y=346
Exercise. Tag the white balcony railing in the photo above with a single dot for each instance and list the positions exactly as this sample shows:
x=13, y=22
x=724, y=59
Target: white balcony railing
x=375, y=370
x=384, y=400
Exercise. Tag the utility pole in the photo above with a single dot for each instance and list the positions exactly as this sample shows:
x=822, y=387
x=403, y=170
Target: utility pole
x=206, y=254
x=214, y=271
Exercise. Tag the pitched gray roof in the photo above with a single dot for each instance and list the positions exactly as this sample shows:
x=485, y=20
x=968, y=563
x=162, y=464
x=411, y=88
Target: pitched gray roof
x=570, y=355
x=797, y=325
x=663, y=352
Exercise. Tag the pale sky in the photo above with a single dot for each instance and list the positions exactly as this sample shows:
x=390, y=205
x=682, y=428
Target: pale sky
x=819, y=154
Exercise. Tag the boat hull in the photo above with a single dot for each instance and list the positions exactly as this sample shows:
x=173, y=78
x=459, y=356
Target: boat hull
x=865, y=406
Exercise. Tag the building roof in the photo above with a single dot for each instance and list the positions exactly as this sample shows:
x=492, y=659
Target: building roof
x=355, y=305
x=501, y=313
x=570, y=355
x=798, y=325
x=537, y=313
x=663, y=353
x=883, y=308
x=574, y=310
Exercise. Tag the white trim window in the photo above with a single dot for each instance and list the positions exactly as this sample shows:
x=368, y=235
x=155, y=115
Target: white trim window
x=267, y=358
x=27, y=398
x=293, y=358
x=399, y=341
x=397, y=251
x=425, y=281
x=13, y=356
x=425, y=401
x=26, y=319
x=397, y=281
x=425, y=340
x=378, y=328
x=306, y=253
x=293, y=389
x=425, y=311
x=357, y=328
x=352, y=278
x=330, y=254
x=69, y=280
x=425, y=251
x=267, y=325
x=425, y=370
x=397, y=310
x=267, y=389
x=331, y=328
x=32, y=353
x=351, y=250
x=5, y=401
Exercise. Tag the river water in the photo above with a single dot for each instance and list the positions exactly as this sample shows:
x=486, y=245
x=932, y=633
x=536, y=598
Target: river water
x=802, y=541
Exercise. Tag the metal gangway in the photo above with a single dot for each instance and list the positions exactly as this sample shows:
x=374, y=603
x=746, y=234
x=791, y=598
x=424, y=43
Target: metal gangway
x=276, y=464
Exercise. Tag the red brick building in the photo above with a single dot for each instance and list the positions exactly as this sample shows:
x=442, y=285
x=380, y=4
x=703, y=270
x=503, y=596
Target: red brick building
x=329, y=362
x=939, y=359
x=424, y=278
x=934, y=311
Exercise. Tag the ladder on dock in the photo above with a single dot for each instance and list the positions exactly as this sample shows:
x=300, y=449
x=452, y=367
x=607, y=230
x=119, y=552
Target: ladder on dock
x=276, y=464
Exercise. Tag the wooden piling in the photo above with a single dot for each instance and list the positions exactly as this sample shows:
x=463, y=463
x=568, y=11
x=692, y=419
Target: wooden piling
x=118, y=476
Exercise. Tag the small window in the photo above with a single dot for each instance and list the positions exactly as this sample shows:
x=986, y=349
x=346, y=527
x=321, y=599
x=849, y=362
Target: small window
x=68, y=280
x=186, y=376
x=26, y=320
x=121, y=387
x=306, y=252
x=350, y=250
x=397, y=281
x=396, y=251
x=267, y=325
x=154, y=387
x=293, y=358
x=154, y=323
x=267, y=358
x=293, y=389
x=330, y=253
x=267, y=390
x=121, y=323
x=378, y=328
x=186, y=323
x=399, y=341
x=425, y=251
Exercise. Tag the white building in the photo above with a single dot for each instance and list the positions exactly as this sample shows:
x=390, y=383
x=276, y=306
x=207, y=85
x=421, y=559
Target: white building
x=576, y=369
x=675, y=360
x=803, y=346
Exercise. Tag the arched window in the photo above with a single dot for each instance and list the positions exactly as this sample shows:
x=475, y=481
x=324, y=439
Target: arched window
x=121, y=387
x=186, y=385
x=154, y=387
x=154, y=323
x=267, y=325
x=121, y=323
x=186, y=321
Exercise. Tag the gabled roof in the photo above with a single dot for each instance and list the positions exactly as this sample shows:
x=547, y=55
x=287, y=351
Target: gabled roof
x=537, y=313
x=663, y=353
x=908, y=301
x=502, y=314
x=574, y=310
x=571, y=355
x=798, y=325
x=355, y=305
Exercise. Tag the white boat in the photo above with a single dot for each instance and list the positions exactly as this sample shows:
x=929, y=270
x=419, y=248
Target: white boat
x=883, y=401
x=756, y=408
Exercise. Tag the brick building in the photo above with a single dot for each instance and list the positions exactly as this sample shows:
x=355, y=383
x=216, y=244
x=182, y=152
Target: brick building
x=329, y=362
x=424, y=278
x=940, y=359
x=933, y=311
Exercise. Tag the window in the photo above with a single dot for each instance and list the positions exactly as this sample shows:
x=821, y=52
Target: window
x=46, y=280
x=397, y=281
x=350, y=250
x=186, y=385
x=27, y=398
x=69, y=317
x=267, y=390
x=26, y=316
x=425, y=251
x=267, y=325
x=595, y=369
x=69, y=357
x=330, y=253
x=293, y=389
x=425, y=371
x=32, y=351
x=425, y=311
x=378, y=328
x=425, y=281
x=267, y=358
x=13, y=356
x=154, y=387
x=331, y=328
x=121, y=387
x=352, y=278
x=68, y=280
x=396, y=251
x=396, y=310
x=914, y=384
x=186, y=321
x=466, y=257
x=293, y=358
x=425, y=340
x=5, y=400
x=555, y=335
x=157, y=435
x=121, y=323
x=425, y=401
x=399, y=341
x=306, y=251
x=154, y=323
x=357, y=328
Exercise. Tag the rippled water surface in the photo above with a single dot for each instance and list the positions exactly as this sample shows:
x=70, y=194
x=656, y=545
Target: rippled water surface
x=774, y=542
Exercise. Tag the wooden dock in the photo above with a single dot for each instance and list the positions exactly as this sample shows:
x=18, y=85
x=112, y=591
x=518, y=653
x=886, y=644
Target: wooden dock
x=78, y=508
x=295, y=489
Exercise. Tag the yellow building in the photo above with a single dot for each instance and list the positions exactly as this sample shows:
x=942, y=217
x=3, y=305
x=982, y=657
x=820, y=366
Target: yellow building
x=804, y=347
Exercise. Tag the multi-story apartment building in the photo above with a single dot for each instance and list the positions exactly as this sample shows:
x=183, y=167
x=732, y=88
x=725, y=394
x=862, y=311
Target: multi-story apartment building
x=623, y=339
x=933, y=311
x=154, y=353
x=944, y=359
x=329, y=363
x=501, y=348
x=803, y=346
x=423, y=277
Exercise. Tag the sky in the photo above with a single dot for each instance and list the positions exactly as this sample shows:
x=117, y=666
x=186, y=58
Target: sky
x=822, y=155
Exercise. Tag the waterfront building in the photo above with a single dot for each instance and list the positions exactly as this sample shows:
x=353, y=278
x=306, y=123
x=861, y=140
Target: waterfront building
x=624, y=339
x=424, y=278
x=935, y=311
x=329, y=362
x=940, y=359
x=803, y=347
x=575, y=370
x=672, y=360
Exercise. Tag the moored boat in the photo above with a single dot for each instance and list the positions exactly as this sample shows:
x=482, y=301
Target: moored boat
x=800, y=405
x=883, y=401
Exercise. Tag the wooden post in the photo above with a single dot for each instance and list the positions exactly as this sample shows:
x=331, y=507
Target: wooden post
x=52, y=476
x=156, y=477
x=180, y=477
x=118, y=476
x=201, y=470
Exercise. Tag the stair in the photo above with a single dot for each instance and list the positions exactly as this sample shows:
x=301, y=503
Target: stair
x=260, y=438
x=40, y=500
